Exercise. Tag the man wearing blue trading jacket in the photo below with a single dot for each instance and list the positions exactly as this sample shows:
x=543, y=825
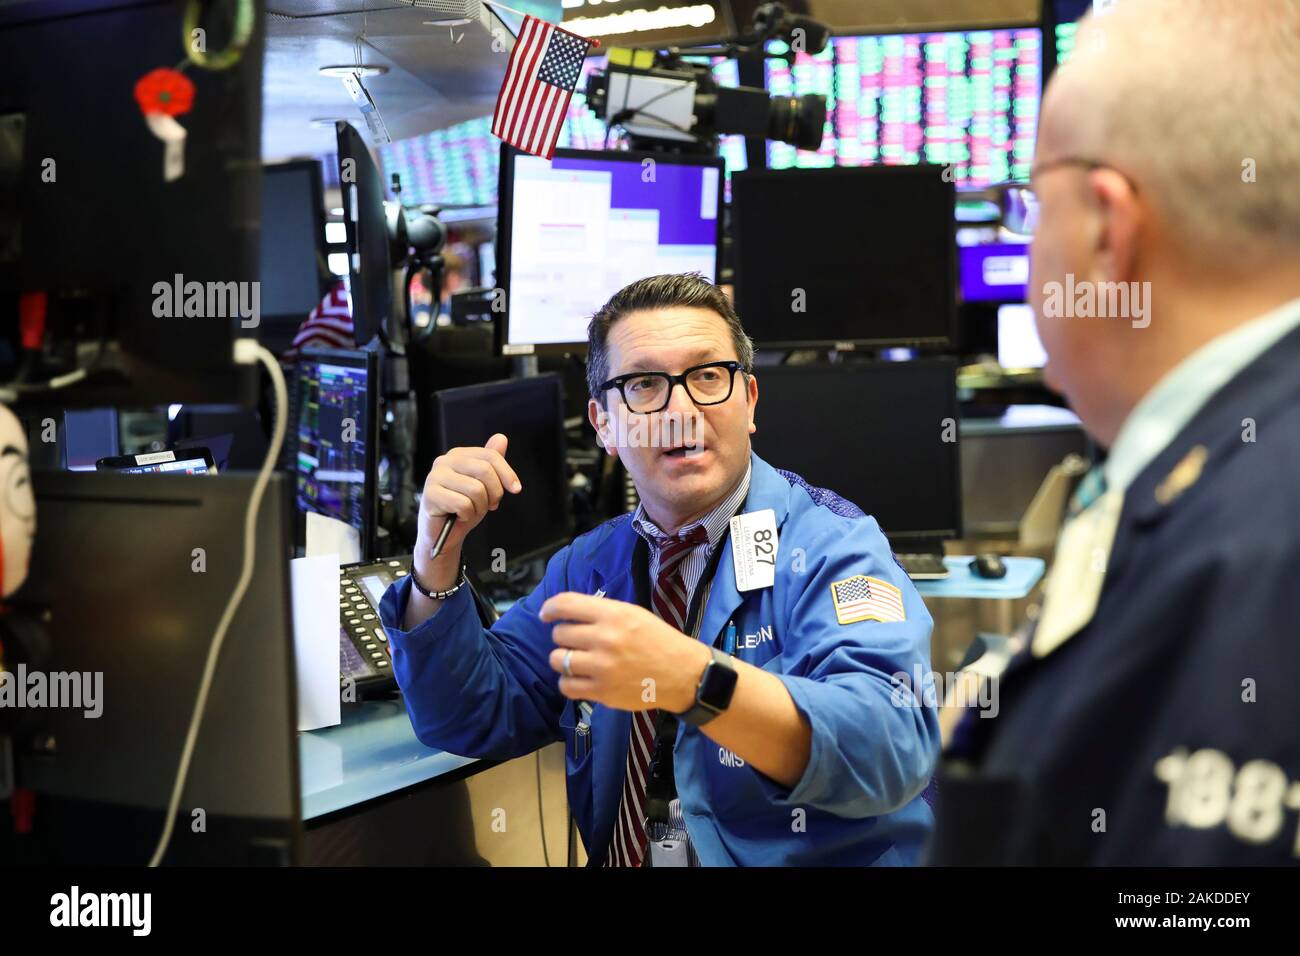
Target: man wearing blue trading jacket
x=724, y=682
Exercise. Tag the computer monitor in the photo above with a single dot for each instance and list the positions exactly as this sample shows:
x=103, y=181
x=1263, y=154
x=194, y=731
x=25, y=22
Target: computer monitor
x=529, y=413
x=144, y=621
x=370, y=263
x=881, y=434
x=967, y=99
x=89, y=435
x=845, y=257
x=994, y=271
x=1019, y=346
x=237, y=437
x=337, y=438
x=574, y=230
x=164, y=269
x=293, y=241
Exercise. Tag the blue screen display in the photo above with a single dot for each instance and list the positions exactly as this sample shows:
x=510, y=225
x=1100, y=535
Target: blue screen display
x=581, y=228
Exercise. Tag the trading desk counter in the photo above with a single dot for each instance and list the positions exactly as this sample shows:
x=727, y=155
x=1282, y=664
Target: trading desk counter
x=373, y=794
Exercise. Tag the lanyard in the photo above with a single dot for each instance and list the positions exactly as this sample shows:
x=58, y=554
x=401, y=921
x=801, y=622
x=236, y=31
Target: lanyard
x=661, y=786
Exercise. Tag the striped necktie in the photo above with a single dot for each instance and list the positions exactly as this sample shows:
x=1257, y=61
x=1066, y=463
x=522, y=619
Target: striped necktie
x=668, y=600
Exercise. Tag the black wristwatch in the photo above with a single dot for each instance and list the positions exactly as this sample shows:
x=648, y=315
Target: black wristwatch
x=714, y=691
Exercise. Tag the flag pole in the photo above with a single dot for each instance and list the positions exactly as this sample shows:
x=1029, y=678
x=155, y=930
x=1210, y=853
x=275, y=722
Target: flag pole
x=519, y=13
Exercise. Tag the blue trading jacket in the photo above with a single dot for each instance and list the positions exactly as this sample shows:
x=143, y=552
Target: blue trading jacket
x=492, y=693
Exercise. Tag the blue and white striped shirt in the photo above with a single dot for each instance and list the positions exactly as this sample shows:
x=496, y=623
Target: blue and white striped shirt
x=716, y=524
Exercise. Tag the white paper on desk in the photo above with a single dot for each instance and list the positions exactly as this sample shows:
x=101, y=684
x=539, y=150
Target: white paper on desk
x=315, y=585
x=326, y=535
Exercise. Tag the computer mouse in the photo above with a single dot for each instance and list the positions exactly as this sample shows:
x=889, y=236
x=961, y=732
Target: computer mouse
x=988, y=566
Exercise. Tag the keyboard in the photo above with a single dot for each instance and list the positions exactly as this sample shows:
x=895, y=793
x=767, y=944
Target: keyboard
x=926, y=566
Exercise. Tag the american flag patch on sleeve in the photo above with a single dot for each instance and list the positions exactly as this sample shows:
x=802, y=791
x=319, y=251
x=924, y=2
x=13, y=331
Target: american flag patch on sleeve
x=861, y=598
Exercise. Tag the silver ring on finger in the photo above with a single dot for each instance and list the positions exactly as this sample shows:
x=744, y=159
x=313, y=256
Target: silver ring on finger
x=568, y=660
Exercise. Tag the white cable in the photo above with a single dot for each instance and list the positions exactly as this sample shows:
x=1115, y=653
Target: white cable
x=63, y=381
x=242, y=354
x=11, y=393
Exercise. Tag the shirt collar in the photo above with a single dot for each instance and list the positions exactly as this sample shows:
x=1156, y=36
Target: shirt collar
x=1174, y=401
x=715, y=522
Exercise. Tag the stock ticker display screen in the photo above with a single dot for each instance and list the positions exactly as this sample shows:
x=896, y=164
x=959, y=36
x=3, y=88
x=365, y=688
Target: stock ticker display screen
x=456, y=166
x=969, y=99
x=1064, y=17
x=331, y=465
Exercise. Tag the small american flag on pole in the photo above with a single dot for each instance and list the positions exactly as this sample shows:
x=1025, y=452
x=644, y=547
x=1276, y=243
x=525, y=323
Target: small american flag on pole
x=861, y=598
x=543, y=70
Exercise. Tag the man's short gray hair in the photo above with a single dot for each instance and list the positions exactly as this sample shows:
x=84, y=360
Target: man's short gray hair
x=660, y=292
x=1198, y=100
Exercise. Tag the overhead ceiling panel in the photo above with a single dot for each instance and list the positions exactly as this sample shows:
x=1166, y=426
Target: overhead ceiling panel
x=437, y=76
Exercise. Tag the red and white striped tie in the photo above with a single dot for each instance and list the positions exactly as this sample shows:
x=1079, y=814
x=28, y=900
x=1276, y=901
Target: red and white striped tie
x=629, y=843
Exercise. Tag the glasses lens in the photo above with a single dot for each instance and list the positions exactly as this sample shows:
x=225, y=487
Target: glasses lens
x=710, y=385
x=1020, y=210
x=645, y=393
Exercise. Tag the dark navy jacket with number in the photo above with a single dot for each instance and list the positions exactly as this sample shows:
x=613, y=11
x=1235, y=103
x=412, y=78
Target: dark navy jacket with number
x=1146, y=714
x=492, y=693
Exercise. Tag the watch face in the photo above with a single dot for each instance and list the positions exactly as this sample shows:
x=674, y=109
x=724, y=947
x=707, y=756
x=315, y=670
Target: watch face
x=717, y=685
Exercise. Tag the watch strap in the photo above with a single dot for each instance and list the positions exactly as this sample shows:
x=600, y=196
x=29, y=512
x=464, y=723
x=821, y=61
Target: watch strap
x=704, y=711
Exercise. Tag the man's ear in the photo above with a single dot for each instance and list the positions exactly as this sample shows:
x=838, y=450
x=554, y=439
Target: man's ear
x=752, y=393
x=1121, y=212
x=599, y=419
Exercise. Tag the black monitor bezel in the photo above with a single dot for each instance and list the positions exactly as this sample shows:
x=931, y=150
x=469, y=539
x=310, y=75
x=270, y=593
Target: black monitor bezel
x=372, y=301
x=505, y=213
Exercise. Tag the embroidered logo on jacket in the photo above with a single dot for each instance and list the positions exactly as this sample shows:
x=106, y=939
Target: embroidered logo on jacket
x=861, y=598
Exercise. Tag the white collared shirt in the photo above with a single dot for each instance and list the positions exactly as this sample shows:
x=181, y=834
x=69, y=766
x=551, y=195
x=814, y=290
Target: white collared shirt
x=1174, y=401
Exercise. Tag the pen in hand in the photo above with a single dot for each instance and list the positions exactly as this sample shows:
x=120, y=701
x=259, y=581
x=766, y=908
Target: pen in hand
x=458, y=468
x=442, y=537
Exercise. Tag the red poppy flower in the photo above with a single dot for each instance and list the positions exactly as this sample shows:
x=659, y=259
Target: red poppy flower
x=164, y=90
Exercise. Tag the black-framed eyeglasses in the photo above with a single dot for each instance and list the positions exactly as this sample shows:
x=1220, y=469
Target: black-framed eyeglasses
x=1018, y=203
x=649, y=392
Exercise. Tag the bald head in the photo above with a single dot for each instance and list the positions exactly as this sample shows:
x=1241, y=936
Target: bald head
x=1166, y=168
x=1198, y=101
